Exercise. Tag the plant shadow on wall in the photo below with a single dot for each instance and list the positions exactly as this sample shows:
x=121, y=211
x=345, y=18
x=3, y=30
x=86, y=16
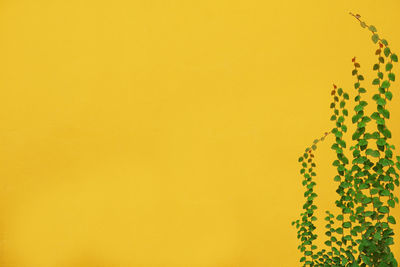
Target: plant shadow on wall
x=362, y=235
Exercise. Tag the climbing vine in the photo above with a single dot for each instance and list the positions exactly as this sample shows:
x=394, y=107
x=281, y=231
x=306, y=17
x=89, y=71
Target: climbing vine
x=366, y=175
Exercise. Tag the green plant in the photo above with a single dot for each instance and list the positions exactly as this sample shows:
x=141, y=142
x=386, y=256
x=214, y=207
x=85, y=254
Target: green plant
x=363, y=233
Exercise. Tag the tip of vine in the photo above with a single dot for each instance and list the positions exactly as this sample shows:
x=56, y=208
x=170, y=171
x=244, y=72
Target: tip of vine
x=357, y=16
x=353, y=59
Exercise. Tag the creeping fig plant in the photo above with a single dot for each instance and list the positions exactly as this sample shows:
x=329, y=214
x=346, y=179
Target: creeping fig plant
x=362, y=234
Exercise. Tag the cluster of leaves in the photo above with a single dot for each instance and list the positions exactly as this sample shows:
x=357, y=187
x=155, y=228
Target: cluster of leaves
x=363, y=233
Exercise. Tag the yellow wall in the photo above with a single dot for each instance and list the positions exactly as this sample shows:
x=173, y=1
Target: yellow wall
x=166, y=133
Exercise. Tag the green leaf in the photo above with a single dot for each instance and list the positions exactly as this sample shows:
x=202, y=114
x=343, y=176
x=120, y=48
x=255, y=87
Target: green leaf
x=387, y=133
x=373, y=192
x=363, y=142
x=375, y=38
x=375, y=81
x=328, y=233
x=367, y=199
x=375, y=67
x=391, y=220
x=389, y=95
x=386, y=51
x=377, y=203
x=394, y=58
x=356, y=135
x=388, y=153
x=385, y=113
x=362, y=90
x=391, y=203
x=362, y=23
x=389, y=66
x=391, y=76
x=366, y=259
x=381, y=60
x=346, y=224
x=383, y=209
x=313, y=147
x=368, y=213
x=375, y=135
x=354, y=119
x=372, y=28
x=375, y=115
x=366, y=119
x=376, y=97
x=381, y=101
x=385, y=84
x=390, y=185
x=339, y=217
x=384, y=42
x=339, y=134
x=358, y=108
x=361, y=124
x=385, y=192
x=381, y=142
x=373, y=153
x=377, y=236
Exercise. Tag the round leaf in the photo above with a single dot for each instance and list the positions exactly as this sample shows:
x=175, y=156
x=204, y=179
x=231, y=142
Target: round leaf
x=375, y=38
x=372, y=28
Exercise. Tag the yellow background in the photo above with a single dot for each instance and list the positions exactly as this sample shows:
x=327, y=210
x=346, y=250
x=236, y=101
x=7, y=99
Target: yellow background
x=167, y=133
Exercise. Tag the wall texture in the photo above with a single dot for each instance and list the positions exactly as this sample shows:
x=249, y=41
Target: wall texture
x=166, y=133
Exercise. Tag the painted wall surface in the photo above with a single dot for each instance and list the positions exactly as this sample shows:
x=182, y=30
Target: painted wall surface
x=167, y=133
